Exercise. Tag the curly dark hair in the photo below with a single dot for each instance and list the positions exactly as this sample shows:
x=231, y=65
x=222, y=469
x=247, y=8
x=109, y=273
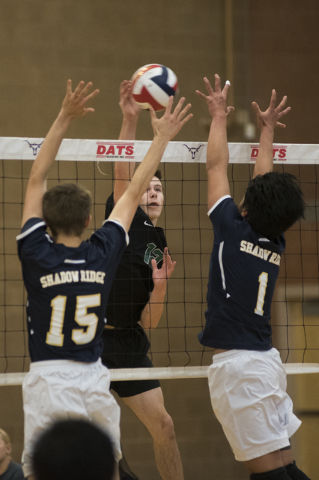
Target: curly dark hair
x=274, y=202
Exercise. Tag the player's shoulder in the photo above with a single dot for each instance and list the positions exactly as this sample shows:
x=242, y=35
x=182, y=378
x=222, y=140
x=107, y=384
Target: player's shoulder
x=31, y=225
x=224, y=202
x=110, y=236
x=33, y=237
x=224, y=212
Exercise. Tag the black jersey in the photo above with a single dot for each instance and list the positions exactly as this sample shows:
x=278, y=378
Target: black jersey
x=68, y=290
x=133, y=282
x=243, y=270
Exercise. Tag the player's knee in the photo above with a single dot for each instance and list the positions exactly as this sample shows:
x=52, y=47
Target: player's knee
x=277, y=474
x=167, y=427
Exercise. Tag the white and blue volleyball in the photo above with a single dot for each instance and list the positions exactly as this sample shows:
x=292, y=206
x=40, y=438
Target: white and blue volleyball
x=153, y=85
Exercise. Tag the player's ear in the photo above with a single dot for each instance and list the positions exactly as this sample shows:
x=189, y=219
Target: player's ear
x=88, y=221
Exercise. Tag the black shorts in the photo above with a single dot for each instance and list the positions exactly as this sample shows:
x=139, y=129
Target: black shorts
x=127, y=348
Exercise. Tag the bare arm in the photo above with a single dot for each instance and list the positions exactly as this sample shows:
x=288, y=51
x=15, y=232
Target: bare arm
x=153, y=310
x=217, y=147
x=165, y=130
x=130, y=109
x=73, y=106
x=267, y=122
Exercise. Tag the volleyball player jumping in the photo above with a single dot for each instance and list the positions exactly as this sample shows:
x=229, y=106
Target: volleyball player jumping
x=247, y=381
x=136, y=302
x=68, y=280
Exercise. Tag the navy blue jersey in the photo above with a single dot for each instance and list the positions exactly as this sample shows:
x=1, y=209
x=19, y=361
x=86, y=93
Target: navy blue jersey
x=133, y=281
x=243, y=270
x=68, y=290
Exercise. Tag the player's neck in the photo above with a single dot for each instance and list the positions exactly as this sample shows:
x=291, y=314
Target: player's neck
x=69, y=240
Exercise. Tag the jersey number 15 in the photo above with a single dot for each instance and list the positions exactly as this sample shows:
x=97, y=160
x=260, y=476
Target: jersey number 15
x=82, y=317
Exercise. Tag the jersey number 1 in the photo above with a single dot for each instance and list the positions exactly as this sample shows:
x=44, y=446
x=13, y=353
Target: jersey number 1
x=90, y=320
x=263, y=280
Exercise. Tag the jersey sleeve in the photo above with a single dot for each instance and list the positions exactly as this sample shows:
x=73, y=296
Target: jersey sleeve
x=111, y=236
x=32, y=236
x=223, y=216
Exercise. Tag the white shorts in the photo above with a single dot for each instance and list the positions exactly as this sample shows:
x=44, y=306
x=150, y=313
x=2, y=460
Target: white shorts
x=62, y=389
x=248, y=395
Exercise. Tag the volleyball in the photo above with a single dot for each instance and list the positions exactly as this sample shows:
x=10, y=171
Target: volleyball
x=153, y=85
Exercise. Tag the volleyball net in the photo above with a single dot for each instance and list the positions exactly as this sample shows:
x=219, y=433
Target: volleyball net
x=175, y=350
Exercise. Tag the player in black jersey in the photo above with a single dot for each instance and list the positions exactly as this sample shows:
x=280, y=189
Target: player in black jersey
x=136, y=302
x=246, y=379
x=68, y=280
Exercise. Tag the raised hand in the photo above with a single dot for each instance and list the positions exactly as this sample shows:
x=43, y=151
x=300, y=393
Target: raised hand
x=74, y=103
x=161, y=275
x=129, y=107
x=270, y=118
x=216, y=100
x=170, y=123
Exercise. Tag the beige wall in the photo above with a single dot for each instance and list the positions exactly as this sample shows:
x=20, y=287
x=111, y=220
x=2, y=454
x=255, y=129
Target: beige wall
x=275, y=45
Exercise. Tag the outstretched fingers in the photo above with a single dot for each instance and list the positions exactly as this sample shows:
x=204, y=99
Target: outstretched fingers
x=200, y=94
x=284, y=112
x=256, y=108
x=186, y=119
x=184, y=111
x=281, y=106
x=179, y=106
x=273, y=99
x=79, y=88
x=168, y=109
x=85, y=90
x=152, y=113
x=125, y=88
x=208, y=86
x=69, y=87
x=91, y=95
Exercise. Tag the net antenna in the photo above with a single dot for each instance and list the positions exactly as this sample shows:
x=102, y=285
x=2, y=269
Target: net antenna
x=175, y=350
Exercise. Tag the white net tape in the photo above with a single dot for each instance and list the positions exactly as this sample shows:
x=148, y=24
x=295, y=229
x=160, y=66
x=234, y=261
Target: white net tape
x=164, y=373
x=15, y=148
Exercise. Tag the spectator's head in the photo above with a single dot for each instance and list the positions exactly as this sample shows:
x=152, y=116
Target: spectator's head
x=73, y=449
x=5, y=447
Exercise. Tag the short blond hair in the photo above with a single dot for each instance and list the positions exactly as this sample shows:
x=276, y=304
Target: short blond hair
x=5, y=437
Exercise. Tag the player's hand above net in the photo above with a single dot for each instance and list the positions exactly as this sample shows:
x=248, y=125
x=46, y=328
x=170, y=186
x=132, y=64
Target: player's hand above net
x=216, y=100
x=270, y=118
x=129, y=107
x=74, y=103
x=170, y=123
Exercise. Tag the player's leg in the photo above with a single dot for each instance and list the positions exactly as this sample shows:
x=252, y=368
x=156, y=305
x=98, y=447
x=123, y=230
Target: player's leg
x=279, y=465
x=248, y=393
x=290, y=464
x=124, y=470
x=270, y=464
x=114, y=356
x=149, y=408
x=128, y=349
x=46, y=380
x=101, y=406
